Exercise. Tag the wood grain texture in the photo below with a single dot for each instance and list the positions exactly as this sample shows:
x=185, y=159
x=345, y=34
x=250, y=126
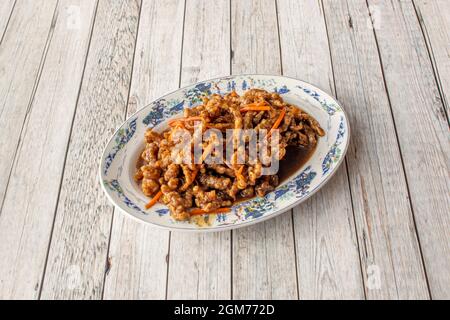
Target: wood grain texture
x=21, y=53
x=327, y=251
x=200, y=264
x=263, y=254
x=389, y=250
x=434, y=17
x=30, y=202
x=264, y=260
x=6, y=8
x=423, y=133
x=255, y=41
x=138, y=253
x=78, y=250
x=378, y=229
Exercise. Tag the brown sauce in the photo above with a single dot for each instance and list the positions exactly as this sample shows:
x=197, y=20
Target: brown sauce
x=294, y=159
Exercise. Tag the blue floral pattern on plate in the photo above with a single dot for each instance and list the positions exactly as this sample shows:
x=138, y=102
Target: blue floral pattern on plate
x=122, y=137
x=162, y=110
x=330, y=108
x=118, y=162
x=335, y=152
x=114, y=185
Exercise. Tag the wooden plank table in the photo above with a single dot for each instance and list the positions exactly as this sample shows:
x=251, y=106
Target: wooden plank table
x=72, y=70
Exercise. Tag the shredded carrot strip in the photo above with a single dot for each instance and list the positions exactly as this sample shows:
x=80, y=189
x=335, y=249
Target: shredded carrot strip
x=154, y=200
x=255, y=108
x=173, y=121
x=278, y=122
x=239, y=172
x=194, y=174
x=198, y=211
x=193, y=119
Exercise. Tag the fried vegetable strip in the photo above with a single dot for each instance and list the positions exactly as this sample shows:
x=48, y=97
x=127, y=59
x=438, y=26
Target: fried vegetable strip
x=202, y=188
x=154, y=200
x=200, y=211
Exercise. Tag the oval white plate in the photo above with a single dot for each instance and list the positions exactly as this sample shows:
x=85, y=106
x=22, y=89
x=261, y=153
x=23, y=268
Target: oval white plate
x=118, y=163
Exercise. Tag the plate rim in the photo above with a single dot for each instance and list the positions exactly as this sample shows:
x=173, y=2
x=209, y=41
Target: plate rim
x=247, y=222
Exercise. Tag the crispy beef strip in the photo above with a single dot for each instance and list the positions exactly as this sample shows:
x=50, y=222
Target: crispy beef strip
x=213, y=186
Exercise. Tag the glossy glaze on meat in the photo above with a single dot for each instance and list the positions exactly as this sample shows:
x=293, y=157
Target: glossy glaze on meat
x=201, y=188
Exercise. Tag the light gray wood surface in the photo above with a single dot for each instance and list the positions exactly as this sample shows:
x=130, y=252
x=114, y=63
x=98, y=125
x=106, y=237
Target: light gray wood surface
x=263, y=254
x=79, y=245
x=200, y=264
x=20, y=66
x=138, y=253
x=28, y=224
x=326, y=246
x=72, y=70
x=390, y=253
x=434, y=18
x=6, y=9
x=423, y=133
